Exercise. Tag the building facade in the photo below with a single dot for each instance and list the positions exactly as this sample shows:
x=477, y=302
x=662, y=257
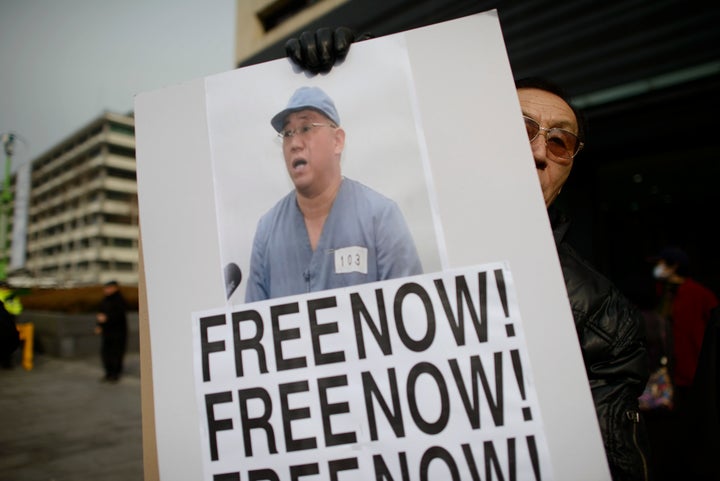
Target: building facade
x=82, y=213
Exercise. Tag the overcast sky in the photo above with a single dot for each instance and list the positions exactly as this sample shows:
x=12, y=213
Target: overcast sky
x=64, y=62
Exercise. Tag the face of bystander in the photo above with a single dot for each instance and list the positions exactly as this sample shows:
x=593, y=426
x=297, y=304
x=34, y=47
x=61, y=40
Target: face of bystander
x=550, y=112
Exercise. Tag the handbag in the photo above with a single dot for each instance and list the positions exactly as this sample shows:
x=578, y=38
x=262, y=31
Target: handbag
x=658, y=393
x=659, y=390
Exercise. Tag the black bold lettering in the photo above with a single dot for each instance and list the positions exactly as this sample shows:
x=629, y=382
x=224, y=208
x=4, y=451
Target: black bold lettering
x=280, y=335
x=263, y=475
x=534, y=458
x=444, y=415
x=338, y=465
x=472, y=465
x=207, y=347
x=502, y=290
x=290, y=415
x=472, y=407
x=381, y=335
x=296, y=472
x=404, y=291
x=433, y=453
x=246, y=344
x=215, y=425
x=394, y=417
x=517, y=368
x=328, y=410
x=318, y=330
x=382, y=473
x=226, y=477
x=462, y=298
x=262, y=422
x=493, y=463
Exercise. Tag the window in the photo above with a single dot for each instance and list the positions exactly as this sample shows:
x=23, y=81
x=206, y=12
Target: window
x=122, y=128
x=280, y=10
x=123, y=151
x=115, y=195
x=121, y=174
x=117, y=219
x=120, y=242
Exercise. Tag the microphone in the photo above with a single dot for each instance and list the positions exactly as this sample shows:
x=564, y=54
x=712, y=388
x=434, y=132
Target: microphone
x=233, y=276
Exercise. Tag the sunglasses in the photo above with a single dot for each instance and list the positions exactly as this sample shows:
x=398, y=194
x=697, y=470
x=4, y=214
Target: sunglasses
x=561, y=144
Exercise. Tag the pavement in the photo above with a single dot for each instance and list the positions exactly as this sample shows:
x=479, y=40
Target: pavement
x=58, y=422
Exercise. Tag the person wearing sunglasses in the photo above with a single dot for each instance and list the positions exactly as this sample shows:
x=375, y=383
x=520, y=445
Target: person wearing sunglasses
x=330, y=231
x=609, y=327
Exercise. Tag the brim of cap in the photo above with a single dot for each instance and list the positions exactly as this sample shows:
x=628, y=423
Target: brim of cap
x=278, y=121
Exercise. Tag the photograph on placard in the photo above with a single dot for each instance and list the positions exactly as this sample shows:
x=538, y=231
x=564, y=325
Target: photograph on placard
x=320, y=181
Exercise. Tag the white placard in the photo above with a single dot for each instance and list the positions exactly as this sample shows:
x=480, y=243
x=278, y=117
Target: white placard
x=427, y=375
x=465, y=180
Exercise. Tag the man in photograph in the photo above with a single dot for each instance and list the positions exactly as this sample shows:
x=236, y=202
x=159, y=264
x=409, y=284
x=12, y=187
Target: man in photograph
x=330, y=231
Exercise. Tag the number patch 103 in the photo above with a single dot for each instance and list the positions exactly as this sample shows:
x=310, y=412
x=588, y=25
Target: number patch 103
x=351, y=259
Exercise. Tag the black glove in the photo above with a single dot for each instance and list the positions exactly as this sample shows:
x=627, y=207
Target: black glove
x=317, y=52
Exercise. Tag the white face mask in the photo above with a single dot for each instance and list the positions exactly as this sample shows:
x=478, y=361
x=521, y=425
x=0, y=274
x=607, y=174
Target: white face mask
x=661, y=272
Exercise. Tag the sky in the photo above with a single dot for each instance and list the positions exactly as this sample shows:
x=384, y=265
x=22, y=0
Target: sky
x=64, y=62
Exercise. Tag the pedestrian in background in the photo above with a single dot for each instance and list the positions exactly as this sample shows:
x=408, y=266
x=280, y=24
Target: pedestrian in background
x=683, y=307
x=686, y=304
x=11, y=309
x=704, y=406
x=10, y=300
x=9, y=337
x=112, y=325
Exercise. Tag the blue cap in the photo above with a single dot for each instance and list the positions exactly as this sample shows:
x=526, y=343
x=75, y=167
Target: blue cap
x=307, y=98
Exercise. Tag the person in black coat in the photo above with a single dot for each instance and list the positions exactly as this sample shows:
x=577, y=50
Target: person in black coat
x=9, y=337
x=112, y=325
x=703, y=409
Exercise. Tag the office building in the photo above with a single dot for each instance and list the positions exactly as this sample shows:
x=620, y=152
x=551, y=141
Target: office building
x=82, y=209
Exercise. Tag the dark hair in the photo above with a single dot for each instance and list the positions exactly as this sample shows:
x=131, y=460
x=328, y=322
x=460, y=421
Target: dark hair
x=541, y=83
x=675, y=256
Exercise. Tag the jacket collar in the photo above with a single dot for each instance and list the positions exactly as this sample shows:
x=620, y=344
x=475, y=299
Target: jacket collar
x=559, y=222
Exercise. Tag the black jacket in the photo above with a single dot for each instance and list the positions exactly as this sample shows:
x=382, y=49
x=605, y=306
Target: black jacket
x=703, y=410
x=9, y=336
x=114, y=307
x=611, y=336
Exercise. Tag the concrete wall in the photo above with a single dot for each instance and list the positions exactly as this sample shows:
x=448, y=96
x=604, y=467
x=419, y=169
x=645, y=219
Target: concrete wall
x=71, y=335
